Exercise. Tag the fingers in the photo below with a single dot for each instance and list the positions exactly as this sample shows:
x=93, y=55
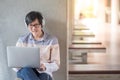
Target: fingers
x=42, y=67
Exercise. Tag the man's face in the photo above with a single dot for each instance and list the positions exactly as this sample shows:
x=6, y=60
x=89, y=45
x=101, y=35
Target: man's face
x=35, y=27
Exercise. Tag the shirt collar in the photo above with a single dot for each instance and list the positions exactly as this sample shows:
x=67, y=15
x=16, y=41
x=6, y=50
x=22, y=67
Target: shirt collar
x=42, y=39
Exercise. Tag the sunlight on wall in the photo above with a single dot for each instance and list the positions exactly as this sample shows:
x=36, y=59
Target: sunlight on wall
x=87, y=8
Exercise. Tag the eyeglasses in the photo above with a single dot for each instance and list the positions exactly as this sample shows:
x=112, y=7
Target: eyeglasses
x=35, y=25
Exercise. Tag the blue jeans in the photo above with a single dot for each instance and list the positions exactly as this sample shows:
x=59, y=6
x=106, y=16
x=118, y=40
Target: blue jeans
x=27, y=73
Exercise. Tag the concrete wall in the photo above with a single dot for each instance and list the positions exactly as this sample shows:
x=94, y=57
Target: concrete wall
x=12, y=13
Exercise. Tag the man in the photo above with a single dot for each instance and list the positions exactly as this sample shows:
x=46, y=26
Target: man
x=49, y=49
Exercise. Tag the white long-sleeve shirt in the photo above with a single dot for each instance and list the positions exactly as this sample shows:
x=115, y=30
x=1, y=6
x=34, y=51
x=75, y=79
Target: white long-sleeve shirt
x=49, y=50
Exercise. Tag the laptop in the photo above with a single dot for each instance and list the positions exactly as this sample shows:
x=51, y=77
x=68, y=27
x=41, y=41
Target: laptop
x=18, y=57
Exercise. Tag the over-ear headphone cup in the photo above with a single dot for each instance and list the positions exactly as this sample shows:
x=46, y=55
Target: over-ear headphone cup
x=43, y=22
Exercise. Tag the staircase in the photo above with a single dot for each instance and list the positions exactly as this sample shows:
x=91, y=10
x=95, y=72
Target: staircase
x=83, y=42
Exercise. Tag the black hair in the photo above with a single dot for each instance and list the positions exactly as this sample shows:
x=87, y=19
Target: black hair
x=31, y=16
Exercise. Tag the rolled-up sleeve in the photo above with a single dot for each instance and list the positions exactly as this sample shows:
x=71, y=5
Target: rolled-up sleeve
x=55, y=58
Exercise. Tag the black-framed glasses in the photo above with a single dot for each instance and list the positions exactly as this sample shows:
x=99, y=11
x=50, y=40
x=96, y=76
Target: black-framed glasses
x=35, y=25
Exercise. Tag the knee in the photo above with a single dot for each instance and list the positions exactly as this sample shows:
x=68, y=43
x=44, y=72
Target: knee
x=24, y=70
x=45, y=76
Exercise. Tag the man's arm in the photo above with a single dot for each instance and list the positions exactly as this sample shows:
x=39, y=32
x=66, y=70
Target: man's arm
x=54, y=63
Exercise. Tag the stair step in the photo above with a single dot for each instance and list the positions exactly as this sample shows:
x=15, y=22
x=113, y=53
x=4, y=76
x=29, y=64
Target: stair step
x=84, y=34
x=85, y=42
x=79, y=61
x=87, y=48
x=85, y=31
x=85, y=38
x=81, y=28
x=93, y=69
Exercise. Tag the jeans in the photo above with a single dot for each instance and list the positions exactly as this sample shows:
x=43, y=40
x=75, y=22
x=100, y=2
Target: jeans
x=27, y=73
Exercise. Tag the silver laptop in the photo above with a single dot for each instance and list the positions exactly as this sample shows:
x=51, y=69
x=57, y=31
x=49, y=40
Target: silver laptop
x=23, y=57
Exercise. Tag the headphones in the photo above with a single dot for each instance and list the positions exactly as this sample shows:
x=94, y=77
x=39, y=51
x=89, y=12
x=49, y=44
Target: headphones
x=43, y=22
